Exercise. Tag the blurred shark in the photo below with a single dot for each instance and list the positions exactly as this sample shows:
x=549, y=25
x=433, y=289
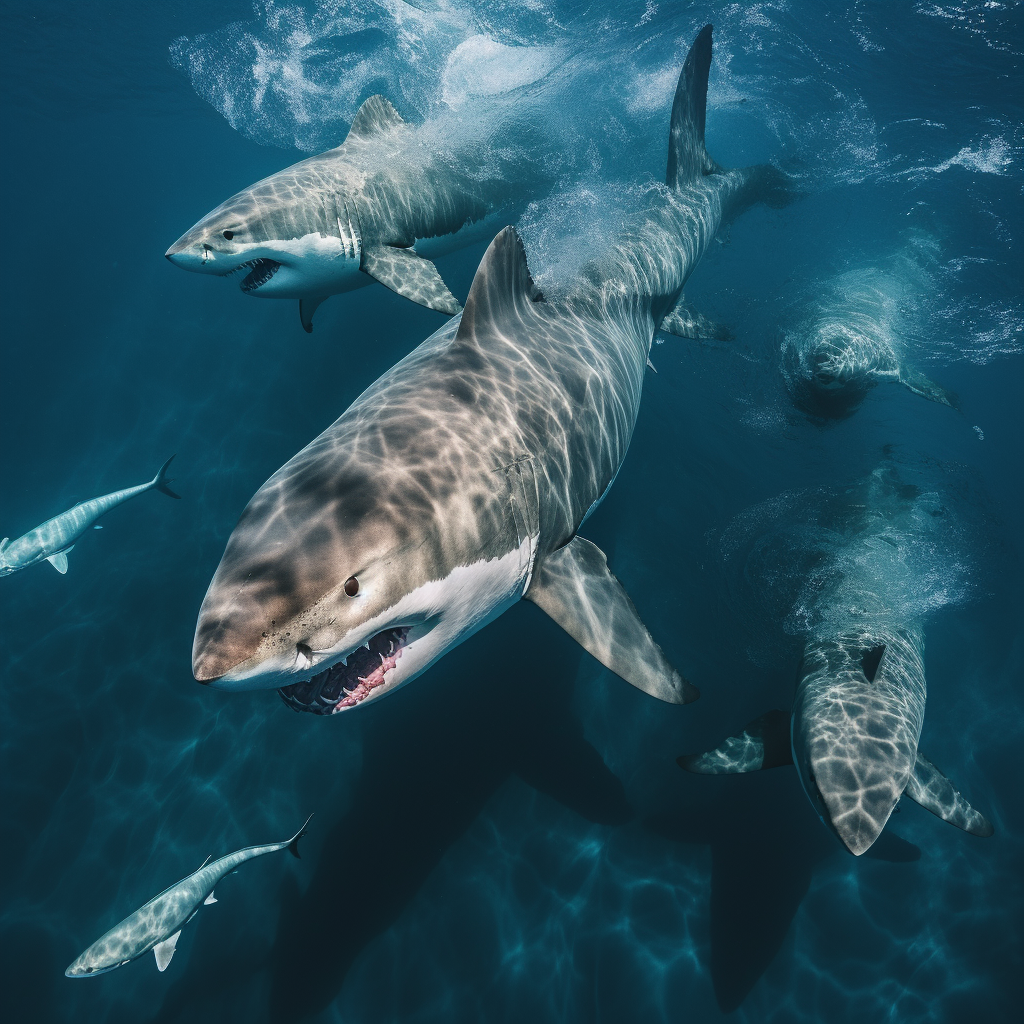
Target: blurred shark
x=856, y=338
x=458, y=482
x=53, y=540
x=855, y=725
x=157, y=925
x=376, y=208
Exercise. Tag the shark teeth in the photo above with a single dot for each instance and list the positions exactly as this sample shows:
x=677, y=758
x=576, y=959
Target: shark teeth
x=260, y=272
x=351, y=679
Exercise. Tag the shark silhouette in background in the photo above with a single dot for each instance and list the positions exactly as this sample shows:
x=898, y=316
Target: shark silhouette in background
x=765, y=850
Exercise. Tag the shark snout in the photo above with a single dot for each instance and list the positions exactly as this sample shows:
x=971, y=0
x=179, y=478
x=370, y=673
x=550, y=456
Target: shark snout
x=191, y=254
x=855, y=796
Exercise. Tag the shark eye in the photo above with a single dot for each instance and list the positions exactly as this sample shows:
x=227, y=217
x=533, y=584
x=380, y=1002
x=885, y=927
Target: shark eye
x=351, y=586
x=229, y=235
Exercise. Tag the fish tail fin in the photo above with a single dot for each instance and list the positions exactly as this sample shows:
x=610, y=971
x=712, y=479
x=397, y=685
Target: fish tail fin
x=688, y=159
x=293, y=843
x=160, y=480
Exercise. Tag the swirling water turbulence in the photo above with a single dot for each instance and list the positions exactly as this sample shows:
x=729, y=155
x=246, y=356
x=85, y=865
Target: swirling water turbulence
x=509, y=837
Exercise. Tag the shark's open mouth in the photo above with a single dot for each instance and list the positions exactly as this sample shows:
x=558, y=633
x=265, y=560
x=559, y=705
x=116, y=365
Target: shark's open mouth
x=344, y=685
x=261, y=272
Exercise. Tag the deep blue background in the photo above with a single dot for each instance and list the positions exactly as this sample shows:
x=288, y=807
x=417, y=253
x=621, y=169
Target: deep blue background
x=508, y=838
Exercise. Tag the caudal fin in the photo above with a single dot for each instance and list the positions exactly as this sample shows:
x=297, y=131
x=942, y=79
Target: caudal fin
x=160, y=480
x=293, y=844
x=687, y=158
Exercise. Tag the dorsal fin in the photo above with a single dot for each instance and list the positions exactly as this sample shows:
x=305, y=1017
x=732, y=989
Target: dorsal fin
x=502, y=289
x=376, y=115
x=687, y=157
x=870, y=661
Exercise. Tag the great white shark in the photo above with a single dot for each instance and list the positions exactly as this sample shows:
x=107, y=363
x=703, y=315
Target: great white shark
x=856, y=721
x=854, y=338
x=52, y=541
x=378, y=207
x=457, y=483
x=157, y=924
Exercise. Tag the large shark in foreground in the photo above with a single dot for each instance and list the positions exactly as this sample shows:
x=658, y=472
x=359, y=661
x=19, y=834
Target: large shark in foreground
x=458, y=482
x=376, y=208
x=52, y=541
x=157, y=925
x=855, y=725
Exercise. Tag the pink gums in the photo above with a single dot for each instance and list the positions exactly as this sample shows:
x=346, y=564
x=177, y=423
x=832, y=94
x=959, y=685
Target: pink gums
x=368, y=683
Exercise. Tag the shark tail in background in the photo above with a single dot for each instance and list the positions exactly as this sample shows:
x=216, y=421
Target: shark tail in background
x=159, y=482
x=688, y=160
x=293, y=843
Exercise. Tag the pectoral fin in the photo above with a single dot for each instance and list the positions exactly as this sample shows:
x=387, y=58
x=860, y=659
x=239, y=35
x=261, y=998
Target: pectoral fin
x=921, y=385
x=576, y=588
x=764, y=743
x=307, y=307
x=684, y=322
x=410, y=275
x=60, y=560
x=163, y=951
x=933, y=791
x=209, y=899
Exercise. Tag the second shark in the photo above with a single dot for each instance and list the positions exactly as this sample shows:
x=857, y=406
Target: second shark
x=458, y=482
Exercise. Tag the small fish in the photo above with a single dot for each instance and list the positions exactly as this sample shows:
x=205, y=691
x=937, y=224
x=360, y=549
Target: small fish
x=56, y=537
x=157, y=925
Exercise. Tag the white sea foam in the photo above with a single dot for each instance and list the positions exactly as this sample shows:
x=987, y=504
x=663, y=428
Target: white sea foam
x=990, y=156
x=481, y=66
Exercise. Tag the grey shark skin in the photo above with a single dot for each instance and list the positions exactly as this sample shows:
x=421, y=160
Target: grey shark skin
x=856, y=721
x=157, y=925
x=854, y=341
x=456, y=484
x=52, y=541
x=376, y=208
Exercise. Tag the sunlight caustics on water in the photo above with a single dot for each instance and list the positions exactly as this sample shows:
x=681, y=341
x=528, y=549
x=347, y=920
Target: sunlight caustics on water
x=509, y=837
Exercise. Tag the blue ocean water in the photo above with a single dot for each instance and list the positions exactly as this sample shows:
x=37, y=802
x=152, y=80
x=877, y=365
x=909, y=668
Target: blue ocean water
x=508, y=838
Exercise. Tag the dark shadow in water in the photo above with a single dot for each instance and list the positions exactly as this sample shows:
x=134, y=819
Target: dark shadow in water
x=496, y=706
x=825, y=405
x=765, y=845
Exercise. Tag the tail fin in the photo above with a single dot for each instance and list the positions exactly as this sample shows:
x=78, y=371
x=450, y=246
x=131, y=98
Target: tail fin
x=687, y=157
x=502, y=291
x=293, y=843
x=160, y=480
x=688, y=160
